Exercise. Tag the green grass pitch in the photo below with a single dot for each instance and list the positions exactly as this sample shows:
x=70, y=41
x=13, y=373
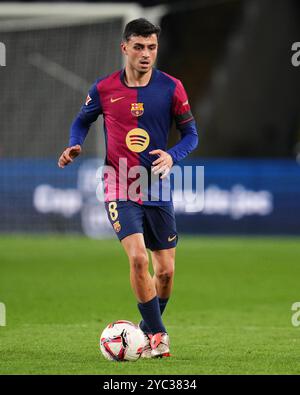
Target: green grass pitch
x=230, y=312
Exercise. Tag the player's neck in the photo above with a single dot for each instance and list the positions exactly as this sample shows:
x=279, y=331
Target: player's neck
x=134, y=78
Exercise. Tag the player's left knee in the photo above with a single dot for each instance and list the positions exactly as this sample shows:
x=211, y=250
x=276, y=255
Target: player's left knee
x=165, y=275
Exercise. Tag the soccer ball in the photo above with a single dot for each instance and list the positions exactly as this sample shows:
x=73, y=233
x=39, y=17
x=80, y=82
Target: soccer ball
x=122, y=341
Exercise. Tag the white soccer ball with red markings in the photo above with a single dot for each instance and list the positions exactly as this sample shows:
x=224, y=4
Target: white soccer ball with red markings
x=122, y=341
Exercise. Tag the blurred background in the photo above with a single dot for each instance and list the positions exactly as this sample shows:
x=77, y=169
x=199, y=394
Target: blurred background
x=233, y=306
x=235, y=60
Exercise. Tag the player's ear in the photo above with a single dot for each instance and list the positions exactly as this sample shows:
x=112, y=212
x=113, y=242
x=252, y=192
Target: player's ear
x=123, y=48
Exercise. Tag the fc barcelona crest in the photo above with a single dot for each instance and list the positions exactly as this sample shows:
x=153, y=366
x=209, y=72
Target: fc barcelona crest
x=117, y=226
x=137, y=109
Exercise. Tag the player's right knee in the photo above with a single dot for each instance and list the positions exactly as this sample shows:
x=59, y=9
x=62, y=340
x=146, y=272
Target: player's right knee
x=139, y=262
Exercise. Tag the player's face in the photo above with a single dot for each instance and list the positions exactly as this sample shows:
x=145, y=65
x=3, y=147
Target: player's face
x=141, y=52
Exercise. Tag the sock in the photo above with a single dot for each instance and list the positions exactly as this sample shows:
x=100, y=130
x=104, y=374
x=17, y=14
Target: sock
x=162, y=305
x=150, y=312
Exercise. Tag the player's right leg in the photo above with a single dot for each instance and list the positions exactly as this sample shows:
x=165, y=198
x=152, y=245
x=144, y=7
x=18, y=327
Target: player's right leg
x=140, y=278
x=163, y=262
x=160, y=237
x=127, y=220
x=144, y=288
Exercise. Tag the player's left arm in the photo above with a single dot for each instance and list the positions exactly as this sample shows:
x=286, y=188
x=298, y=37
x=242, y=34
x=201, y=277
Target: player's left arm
x=186, y=124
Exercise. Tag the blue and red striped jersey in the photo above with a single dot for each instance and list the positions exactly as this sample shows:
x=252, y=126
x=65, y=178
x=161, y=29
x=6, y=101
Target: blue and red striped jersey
x=137, y=120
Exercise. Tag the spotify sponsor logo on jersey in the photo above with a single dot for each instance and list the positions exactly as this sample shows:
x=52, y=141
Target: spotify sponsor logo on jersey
x=137, y=140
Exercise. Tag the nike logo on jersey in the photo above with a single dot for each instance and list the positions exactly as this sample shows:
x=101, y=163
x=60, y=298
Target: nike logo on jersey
x=185, y=103
x=171, y=238
x=117, y=99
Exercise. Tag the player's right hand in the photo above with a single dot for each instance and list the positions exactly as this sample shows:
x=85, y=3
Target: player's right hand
x=68, y=155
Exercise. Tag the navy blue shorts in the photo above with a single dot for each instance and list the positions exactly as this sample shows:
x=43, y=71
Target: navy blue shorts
x=157, y=223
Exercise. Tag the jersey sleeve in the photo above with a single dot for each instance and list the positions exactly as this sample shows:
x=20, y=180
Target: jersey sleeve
x=92, y=108
x=88, y=114
x=181, y=109
x=185, y=123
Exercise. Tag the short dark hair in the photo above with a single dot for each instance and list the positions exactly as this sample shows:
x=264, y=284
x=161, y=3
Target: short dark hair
x=140, y=27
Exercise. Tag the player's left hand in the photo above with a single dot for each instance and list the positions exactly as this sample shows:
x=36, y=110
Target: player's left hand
x=163, y=164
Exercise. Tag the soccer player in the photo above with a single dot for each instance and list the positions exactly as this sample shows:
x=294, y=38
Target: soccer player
x=138, y=105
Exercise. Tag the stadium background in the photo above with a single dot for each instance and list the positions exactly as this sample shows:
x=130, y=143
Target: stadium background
x=234, y=58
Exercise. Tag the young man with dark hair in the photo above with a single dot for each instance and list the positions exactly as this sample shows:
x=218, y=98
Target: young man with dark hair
x=138, y=105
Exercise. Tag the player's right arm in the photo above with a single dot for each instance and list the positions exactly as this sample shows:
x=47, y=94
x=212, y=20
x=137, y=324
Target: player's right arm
x=88, y=114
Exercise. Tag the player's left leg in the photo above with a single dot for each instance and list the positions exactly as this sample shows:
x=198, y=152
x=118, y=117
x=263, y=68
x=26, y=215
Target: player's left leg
x=163, y=262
